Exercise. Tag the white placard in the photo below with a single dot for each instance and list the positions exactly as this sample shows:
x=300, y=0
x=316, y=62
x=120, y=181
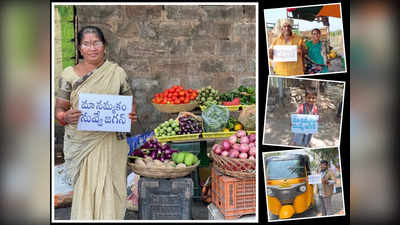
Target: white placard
x=104, y=112
x=285, y=53
x=304, y=123
x=314, y=179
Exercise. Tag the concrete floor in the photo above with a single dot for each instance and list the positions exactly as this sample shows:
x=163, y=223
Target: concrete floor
x=199, y=212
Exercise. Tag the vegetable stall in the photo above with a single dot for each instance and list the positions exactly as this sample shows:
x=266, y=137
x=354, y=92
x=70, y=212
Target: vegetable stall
x=179, y=152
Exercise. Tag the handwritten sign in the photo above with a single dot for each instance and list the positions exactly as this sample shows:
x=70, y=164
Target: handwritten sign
x=104, y=112
x=305, y=124
x=314, y=179
x=285, y=53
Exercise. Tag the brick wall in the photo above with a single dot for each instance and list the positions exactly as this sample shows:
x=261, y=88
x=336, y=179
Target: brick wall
x=193, y=46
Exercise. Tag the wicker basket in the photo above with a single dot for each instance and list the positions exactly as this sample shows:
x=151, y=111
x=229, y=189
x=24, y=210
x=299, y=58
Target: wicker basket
x=234, y=167
x=198, y=118
x=162, y=172
x=174, y=108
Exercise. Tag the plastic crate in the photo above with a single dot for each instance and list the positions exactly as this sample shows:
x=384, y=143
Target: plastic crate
x=231, y=108
x=217, y=134
x=182, y=137
x=245, y=106
x=165, y=199
x=234, y=197
x=215, y=214
x=250, y=132
x=193, y=147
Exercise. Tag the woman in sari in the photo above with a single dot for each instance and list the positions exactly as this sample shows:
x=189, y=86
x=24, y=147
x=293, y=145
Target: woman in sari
x=316, y=56
x=95, y=162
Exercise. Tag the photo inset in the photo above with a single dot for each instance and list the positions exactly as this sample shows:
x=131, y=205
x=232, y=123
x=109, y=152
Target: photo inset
x=303, y=184
x=303, y=112
x=305, y=40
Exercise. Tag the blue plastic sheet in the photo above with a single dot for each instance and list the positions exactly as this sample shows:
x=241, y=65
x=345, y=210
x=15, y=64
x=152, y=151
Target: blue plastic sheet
x=138, y=140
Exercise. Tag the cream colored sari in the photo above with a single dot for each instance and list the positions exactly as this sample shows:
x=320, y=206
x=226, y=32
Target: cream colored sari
x=96, y=161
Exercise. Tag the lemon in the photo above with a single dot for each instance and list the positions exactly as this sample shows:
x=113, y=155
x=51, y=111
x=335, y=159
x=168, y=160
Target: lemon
x=238, y=126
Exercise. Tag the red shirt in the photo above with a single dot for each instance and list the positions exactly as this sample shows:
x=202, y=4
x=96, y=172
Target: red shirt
x=300, y=109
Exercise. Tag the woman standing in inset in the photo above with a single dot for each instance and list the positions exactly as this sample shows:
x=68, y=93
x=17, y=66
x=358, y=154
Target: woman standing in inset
x=316, y=54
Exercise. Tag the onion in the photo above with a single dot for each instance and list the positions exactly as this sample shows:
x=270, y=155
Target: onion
x=236, y=147
x=252, y=157
x=252, y=151
x=226, y=144
x=240, y=133
x=233, y=139
x=243, y=155
x=218, y=149
x=225, y=153
x=252, y=138
x=252, y=144
x=244, y=148
x=234, y=154
x=214, y=146
x=244, y=140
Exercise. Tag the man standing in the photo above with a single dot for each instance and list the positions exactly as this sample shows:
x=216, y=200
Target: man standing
x=287, y=37
x=325, y=188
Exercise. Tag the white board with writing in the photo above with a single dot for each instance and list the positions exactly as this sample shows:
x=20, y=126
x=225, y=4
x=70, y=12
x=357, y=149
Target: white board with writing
x=304, y=124
x=285, y=53
x=314, y=179
x=104, y=112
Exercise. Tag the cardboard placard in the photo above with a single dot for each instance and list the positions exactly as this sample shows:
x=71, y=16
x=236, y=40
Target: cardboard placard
x=104, y=112
x=304, y=124
x=314, y=179
x=285, y=53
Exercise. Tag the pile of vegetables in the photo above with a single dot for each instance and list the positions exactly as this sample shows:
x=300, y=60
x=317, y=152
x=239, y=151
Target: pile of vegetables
x=229, y=96
x=175, y=95
x=233, y=125
x=168, y=128
x=215, y=118
x=246, y=95
x=235, y=101
x=150, y=163
x=237, y=146
x=207, y=96
x=185, y=158
x=154, y=150
x=153, y=154
x=189, y=125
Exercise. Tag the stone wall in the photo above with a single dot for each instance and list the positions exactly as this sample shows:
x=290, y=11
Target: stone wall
x=193, y=46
